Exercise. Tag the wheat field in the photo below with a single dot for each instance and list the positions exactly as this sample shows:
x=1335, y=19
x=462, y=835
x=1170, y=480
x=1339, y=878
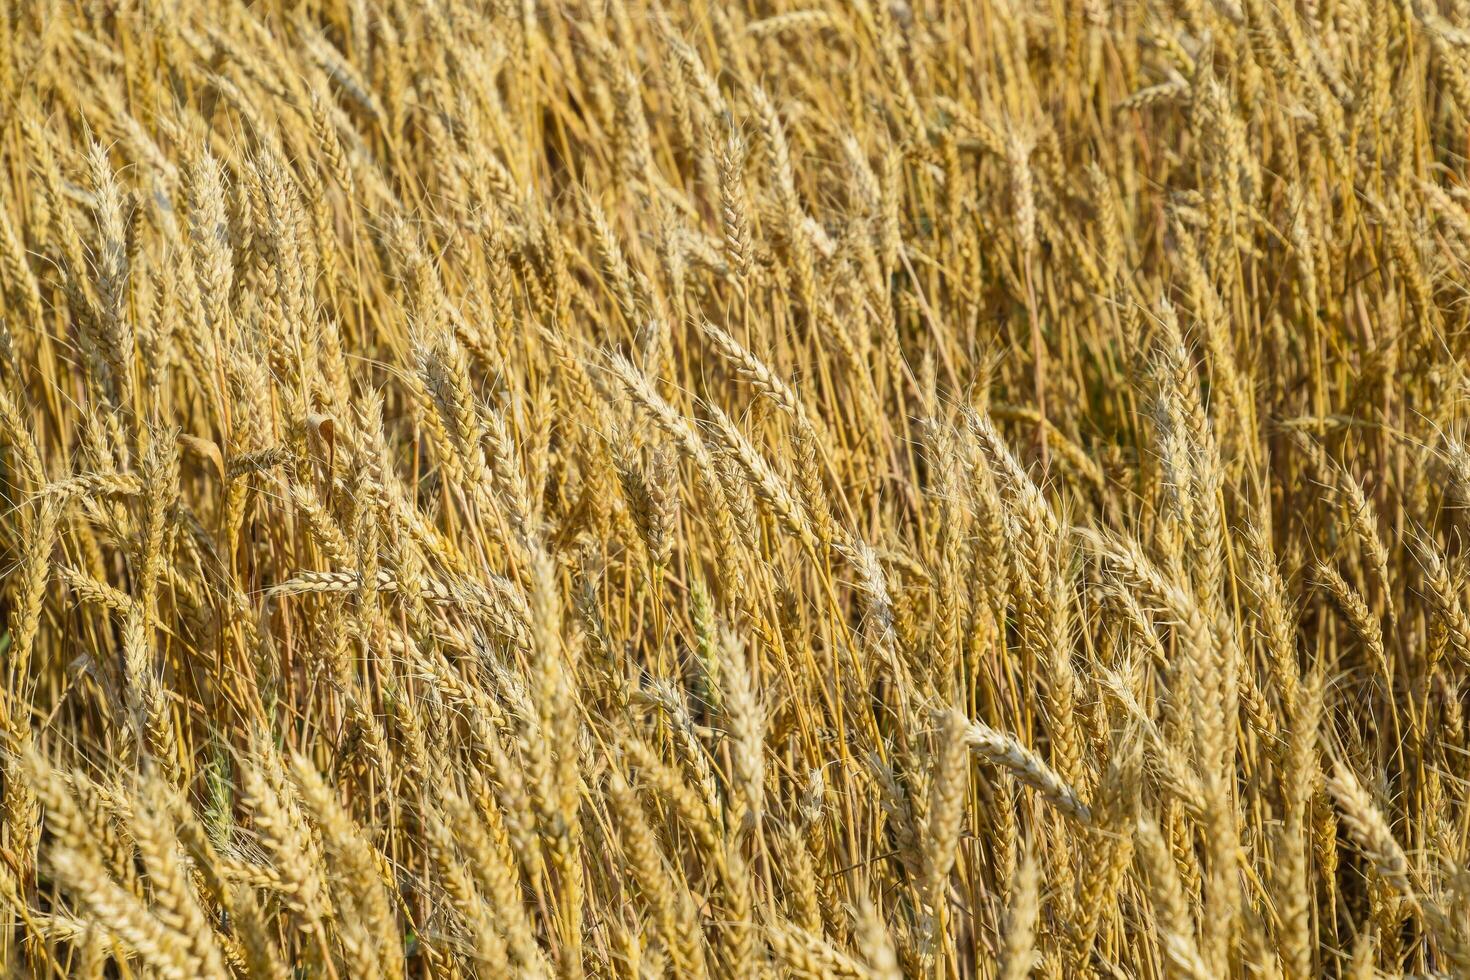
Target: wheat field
x=778, y=488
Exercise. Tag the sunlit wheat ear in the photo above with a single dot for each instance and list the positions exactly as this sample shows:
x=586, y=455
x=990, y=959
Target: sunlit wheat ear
x=126, y=916
x=670, y=907
x=1170, y=910
x=1019, y=956
x=175, y=902
x=949, y=785
x=489, y=948
x=1003, y=750
x=360, y=891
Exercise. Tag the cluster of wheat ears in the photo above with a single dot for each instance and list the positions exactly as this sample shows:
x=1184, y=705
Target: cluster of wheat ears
x=848, y=488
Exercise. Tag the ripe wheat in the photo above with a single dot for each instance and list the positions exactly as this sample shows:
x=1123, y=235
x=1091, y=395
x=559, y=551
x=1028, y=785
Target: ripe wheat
x=617, y=488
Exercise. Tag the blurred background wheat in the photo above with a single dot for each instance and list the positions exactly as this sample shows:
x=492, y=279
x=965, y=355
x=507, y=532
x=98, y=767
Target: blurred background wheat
x=816, y=488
